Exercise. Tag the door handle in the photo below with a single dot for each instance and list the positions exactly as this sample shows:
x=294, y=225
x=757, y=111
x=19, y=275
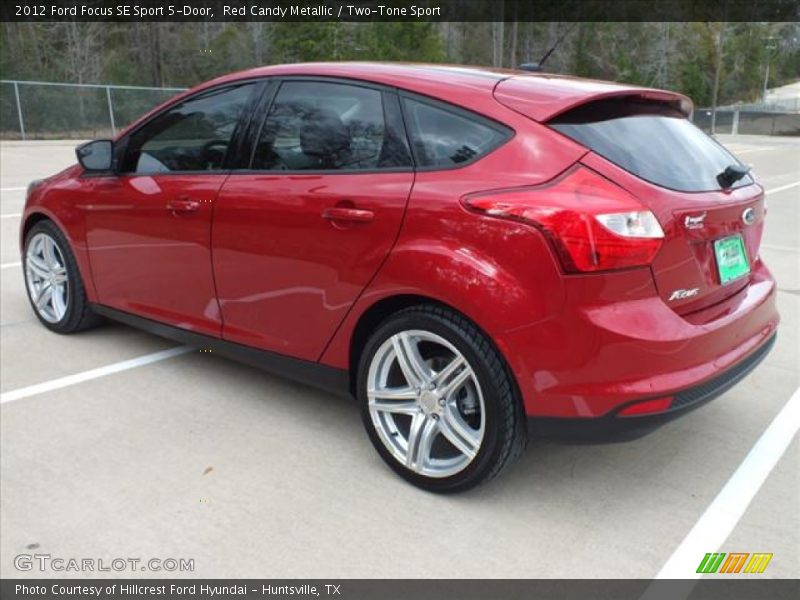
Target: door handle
x=183, y=205
x=351, y=215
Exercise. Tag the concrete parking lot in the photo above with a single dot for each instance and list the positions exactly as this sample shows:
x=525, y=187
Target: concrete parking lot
x=200, y=458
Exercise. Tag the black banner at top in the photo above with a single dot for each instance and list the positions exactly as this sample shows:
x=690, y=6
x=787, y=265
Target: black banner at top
x=393, y=10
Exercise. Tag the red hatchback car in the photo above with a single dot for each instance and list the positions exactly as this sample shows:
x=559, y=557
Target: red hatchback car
x=470, y=253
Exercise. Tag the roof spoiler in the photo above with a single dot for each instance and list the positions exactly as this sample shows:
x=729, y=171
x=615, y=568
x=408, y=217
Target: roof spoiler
x=544, y=97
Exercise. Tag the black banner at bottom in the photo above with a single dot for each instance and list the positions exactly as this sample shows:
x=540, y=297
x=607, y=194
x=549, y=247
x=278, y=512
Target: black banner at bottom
x=401, y=589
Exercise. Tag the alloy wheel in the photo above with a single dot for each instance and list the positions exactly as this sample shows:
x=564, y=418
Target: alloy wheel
x=426, y=403
x=46, y=278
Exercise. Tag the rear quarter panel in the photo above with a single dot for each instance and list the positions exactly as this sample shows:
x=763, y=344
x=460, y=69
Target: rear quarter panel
x=499, y=273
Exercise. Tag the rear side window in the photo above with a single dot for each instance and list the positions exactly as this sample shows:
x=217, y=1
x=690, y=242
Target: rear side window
x=660, y=146
x=323, y=126
x=448, y=138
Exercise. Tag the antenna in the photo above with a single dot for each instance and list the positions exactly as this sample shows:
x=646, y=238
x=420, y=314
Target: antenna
x=539, y=66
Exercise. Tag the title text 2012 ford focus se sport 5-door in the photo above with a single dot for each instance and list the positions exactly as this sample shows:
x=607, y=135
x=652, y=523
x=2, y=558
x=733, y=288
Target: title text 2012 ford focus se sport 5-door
x=470, y=253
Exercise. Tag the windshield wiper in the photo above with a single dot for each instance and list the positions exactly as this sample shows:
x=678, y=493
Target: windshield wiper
x=731, y=175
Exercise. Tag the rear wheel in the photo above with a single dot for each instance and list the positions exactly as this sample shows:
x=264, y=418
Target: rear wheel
x=438, y=401
x=53, y=282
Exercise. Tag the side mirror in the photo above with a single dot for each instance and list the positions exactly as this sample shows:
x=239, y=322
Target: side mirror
x=96, y=156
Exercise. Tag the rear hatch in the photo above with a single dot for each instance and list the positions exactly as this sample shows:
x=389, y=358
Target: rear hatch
x=641, y=140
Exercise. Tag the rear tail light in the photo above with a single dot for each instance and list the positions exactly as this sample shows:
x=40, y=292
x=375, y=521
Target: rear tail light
x=641, y=224
x=593, y=224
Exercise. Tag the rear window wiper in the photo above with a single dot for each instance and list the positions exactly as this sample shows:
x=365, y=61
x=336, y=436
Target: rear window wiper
x=731, y=175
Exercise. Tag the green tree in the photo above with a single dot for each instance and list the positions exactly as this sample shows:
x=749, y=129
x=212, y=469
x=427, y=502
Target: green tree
x=400, y=41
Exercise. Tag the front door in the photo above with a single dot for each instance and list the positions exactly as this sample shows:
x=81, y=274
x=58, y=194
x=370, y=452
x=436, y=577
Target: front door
x=149, y=226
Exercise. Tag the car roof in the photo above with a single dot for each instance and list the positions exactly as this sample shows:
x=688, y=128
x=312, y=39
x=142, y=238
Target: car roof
x=538, y=95
x=473, y=88
x=403, y=75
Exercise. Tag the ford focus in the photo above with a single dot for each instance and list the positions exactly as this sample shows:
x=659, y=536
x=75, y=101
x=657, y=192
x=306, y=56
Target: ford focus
x=476, y=256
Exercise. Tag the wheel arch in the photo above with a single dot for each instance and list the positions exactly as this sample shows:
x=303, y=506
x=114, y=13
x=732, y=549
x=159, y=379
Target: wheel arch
x=380, y=310
x=72, y=229
x=31, y=220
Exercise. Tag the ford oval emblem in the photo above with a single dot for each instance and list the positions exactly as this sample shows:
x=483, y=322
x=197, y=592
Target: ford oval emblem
x=749, y=216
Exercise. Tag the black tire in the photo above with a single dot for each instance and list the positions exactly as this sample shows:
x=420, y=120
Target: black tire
x=505, y=435
x=78, y=315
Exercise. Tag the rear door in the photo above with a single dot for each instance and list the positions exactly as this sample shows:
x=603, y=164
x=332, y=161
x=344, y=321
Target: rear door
x=712, y=226
x=299, y=234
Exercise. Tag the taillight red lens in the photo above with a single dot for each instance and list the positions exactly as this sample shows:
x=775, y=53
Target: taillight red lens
x=594, y=224
x=646, y=407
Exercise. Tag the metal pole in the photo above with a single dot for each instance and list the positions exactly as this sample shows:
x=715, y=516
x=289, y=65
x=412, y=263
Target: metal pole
x=19, y=111
x=111, y=111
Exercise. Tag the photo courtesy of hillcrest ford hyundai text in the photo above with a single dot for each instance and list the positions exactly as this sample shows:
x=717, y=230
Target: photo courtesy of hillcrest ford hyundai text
x=474, y=254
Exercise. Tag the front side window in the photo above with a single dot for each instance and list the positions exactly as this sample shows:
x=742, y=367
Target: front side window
x=325, y=126
x=192, y=136
x=449, y=138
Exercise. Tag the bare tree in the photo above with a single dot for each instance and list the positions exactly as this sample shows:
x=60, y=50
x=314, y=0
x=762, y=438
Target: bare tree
x=512, y=62
x=498, y=42
x=498, y=34
x=83, y=50
x=663, y=71
x=718, y=32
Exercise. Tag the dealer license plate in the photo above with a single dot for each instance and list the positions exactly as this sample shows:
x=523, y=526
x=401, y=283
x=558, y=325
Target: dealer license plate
x=731, y=258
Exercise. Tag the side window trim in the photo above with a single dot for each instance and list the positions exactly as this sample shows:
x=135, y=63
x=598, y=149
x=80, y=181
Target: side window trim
x=504, y=130
x=121, y=145
x=268, y=99
x=239, y=138
x=257, y=124
x=394, y=119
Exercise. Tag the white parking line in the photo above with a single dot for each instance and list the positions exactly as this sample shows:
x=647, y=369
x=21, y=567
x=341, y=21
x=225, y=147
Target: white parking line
x=12, y=189
x=751, y=150
x=11, y=216
x=788, y=186
x=61, y=382
x=10, y=265
x=717, y=522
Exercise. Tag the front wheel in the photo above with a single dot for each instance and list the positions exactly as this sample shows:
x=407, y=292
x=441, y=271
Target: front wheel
x=53, y=282
x=438, y=401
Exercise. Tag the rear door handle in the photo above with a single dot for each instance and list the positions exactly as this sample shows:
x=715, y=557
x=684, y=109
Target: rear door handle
x=351, y=215
x=183, y=205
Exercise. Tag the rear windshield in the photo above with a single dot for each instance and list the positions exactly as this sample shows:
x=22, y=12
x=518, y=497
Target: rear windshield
x=657, y=144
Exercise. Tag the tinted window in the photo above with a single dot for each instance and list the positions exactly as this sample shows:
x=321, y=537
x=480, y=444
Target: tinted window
x=192, y=136
x=444, y=138
x=665, y=149
x=328, y=126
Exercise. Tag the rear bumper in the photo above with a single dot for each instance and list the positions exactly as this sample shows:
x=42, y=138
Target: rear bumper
x=616, y=342
x=613, y=427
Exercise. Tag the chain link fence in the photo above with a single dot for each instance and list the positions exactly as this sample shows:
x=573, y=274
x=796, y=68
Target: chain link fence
x=760, y=119
x=38, y=110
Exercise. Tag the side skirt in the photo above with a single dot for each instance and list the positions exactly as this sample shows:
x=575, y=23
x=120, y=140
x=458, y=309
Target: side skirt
x=326, y=378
